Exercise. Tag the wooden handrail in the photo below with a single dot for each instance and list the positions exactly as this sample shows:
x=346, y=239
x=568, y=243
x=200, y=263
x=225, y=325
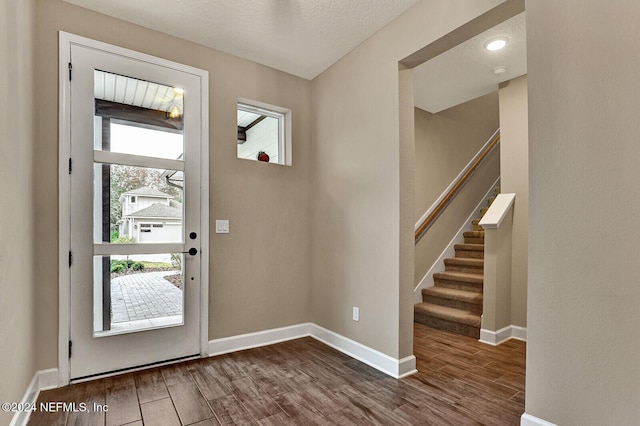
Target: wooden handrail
x=456, y=188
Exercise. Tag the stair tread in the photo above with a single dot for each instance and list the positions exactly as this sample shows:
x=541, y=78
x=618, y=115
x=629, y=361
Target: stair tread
x=467, y=261
x=454, y=294
x=449, y=314
x=460, y=276
x=469, y=247
x=455, y=301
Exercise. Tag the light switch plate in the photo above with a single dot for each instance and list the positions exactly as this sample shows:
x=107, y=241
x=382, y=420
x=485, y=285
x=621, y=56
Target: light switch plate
x=222, y=226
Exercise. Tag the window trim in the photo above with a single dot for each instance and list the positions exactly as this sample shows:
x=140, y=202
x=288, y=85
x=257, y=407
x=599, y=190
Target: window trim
x=283, y=115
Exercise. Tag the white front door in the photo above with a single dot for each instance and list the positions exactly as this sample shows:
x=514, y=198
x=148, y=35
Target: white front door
x=135, y=144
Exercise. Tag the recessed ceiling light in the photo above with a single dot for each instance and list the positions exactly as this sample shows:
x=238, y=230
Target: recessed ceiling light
x=500, y=70
x=496, y=44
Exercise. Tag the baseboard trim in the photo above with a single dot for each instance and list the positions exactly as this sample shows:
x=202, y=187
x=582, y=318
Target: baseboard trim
x=519, y=333
x=261, y=338
x=48, y=379
x=42, y=380
x=382, y=362
x=392, y=367
x=494, y=338
x=529, y=420
x=397, y=368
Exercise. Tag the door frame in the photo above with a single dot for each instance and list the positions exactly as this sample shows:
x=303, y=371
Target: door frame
x=66, y=40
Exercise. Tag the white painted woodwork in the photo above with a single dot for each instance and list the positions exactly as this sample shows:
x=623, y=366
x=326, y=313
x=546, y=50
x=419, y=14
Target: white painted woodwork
x=107, y=157
x=95, y=356
x=498, y=211
x=498, y=229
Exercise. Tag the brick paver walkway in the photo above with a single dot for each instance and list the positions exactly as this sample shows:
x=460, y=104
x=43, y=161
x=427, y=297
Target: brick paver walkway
x=144, y=296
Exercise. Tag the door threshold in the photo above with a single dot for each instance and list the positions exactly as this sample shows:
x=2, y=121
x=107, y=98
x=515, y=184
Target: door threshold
x=133, y=369
x=126, y=327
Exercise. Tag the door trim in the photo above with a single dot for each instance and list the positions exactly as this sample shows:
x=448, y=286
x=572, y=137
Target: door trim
x=66, y=40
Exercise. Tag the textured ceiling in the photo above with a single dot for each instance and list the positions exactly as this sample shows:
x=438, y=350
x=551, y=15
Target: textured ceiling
x=466, y=71
x=301, y=37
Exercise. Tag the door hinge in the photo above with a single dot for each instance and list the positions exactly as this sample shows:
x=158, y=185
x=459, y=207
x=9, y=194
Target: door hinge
x=70, y=68
x=70, y=259
x=70, y=345
x=70, y=165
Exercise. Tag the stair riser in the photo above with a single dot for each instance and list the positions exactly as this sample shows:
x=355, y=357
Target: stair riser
x=458, y=304
x=475, y=223
x=474, y=240
x=458, y=285
x=473, y=254
x=465, y=269
x=442, y=324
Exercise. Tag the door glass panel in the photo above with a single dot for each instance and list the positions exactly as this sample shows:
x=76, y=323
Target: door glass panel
x=137, y=292
x=137, y=205
x=133, y=204
x=131, y=138
x=137, y=117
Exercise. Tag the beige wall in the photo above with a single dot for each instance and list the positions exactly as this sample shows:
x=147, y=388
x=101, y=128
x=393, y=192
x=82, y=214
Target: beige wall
x=446, y=142
x=360, y=235
x=259, y=272
x=18, y=288
x=514, y=178
x=337, y=219
x=584, y=295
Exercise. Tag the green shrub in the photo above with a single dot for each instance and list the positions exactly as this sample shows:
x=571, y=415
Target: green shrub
x=130, y=263
x=117, y=267
x=137, y=266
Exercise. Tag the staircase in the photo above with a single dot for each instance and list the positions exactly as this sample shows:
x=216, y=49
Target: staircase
x=454, y=303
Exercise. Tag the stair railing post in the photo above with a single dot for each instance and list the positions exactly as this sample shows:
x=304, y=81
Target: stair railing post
x=498, y=229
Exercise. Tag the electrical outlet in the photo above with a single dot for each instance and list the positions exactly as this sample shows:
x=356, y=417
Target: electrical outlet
x=356, y=313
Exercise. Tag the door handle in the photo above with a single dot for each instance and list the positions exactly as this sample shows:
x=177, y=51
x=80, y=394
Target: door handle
x=192, y=251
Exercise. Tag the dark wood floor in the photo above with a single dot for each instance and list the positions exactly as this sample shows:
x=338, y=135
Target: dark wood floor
x=304, y=382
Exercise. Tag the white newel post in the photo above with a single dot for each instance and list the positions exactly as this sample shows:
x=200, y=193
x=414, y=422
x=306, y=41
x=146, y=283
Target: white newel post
x=498, y=226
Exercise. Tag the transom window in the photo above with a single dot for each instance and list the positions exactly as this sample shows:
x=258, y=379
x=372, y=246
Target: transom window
x=264, y=133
